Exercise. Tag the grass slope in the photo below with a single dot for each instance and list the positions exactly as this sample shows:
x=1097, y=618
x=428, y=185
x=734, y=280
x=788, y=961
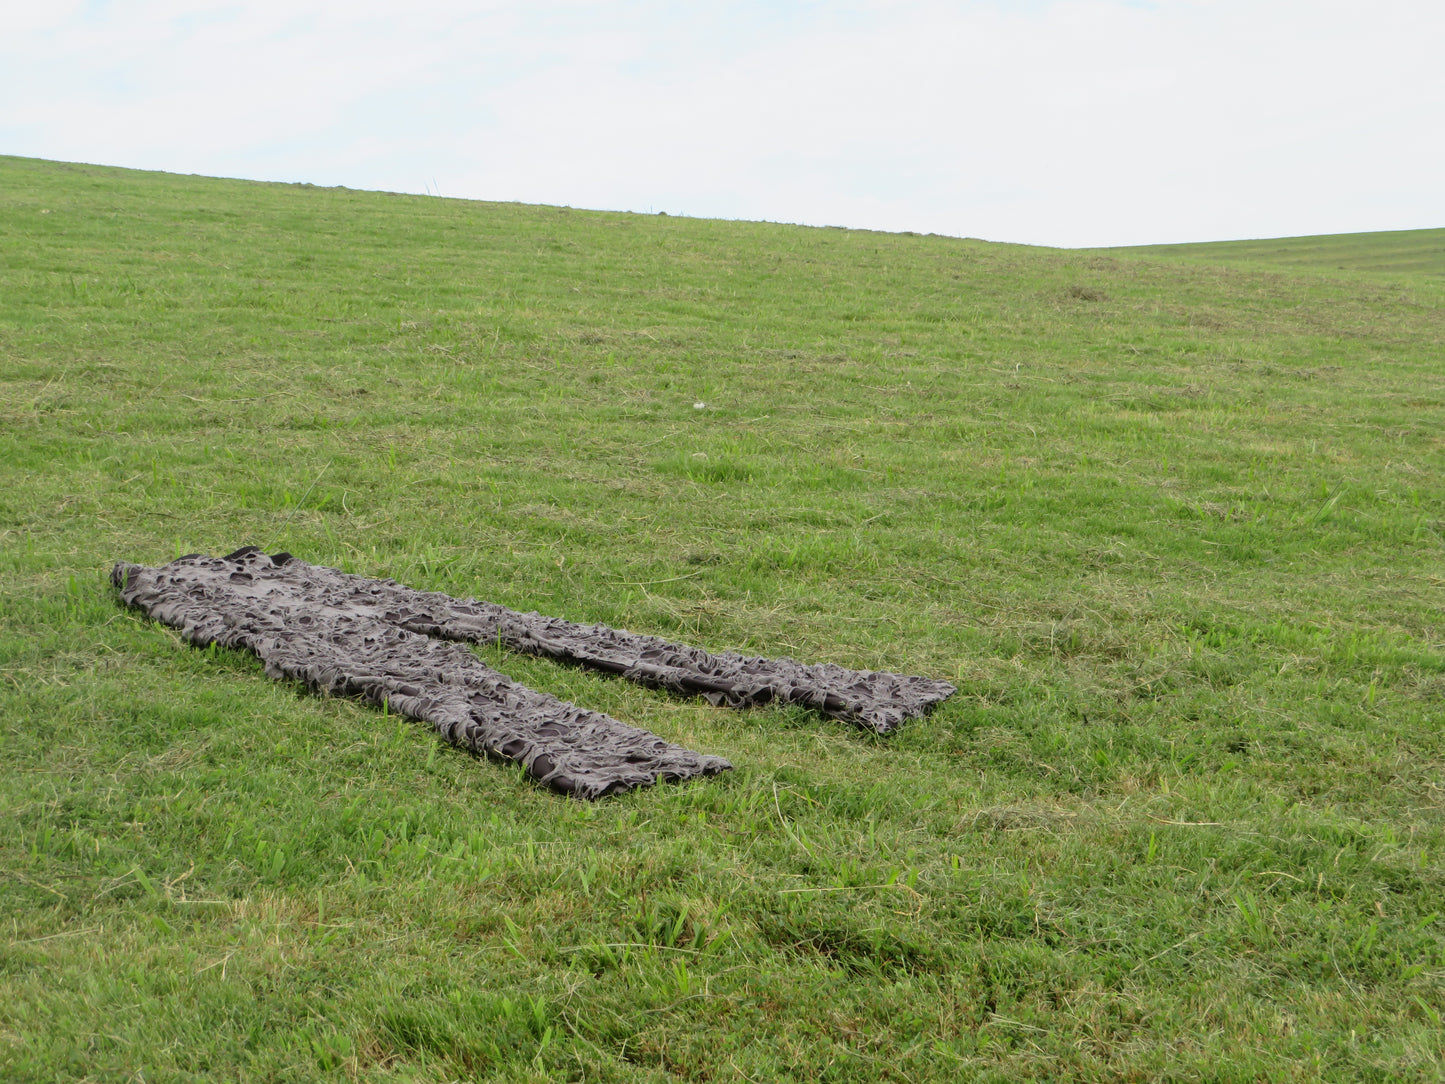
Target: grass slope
x=1407, y=251
x=1174, y=529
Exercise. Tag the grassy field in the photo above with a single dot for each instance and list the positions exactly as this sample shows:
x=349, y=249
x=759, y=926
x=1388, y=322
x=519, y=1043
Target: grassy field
x=1409, y=251
x=1173, y=527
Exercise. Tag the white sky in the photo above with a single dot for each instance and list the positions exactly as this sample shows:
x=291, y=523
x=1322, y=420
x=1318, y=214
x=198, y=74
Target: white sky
x=1060, y=122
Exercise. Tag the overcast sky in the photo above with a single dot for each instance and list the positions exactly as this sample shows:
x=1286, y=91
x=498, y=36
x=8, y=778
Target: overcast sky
x=1056, y=122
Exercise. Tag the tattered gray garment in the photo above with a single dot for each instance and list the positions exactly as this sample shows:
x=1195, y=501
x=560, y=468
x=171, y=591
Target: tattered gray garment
x=373, y=638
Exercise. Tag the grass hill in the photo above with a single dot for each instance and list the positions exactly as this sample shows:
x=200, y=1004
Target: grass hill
x=1400, y=251
x=1174, y=527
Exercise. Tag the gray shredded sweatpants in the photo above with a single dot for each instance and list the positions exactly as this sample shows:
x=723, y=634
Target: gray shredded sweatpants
x=389, y=644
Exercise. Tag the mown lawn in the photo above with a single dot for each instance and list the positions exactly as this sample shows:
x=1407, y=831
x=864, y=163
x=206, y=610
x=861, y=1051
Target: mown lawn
x=1174, y=528
x=1408, y=251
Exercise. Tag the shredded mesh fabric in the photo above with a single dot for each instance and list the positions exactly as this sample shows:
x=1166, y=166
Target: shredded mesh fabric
x=377, y=640
x=313, y=625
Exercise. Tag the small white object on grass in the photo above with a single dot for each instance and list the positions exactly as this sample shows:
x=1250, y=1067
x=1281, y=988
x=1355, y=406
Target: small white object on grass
x=699, y=406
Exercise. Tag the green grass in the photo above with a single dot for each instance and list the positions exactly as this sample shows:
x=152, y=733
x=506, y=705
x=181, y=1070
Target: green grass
x=1174, y=528
x=1408, y=251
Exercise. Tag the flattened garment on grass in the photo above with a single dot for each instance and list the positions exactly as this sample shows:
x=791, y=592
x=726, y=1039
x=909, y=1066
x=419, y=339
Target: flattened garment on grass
x=349, y=634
